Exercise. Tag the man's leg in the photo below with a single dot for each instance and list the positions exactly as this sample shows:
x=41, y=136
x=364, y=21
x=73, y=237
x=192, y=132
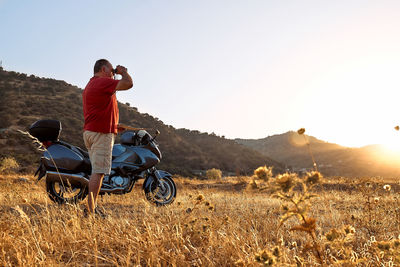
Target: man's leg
x=95, y=182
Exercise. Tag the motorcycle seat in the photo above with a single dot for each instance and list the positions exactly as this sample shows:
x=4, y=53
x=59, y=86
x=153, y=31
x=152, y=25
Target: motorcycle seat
x=86, y=165
x=76, y=149
x=84, y=153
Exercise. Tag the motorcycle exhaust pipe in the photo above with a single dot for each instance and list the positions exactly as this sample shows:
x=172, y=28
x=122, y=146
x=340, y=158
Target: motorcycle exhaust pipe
x=112, y=190
x=67, y=178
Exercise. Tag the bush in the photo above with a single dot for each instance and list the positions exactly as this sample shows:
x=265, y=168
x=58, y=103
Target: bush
x=24, y=122
x=214, y=174
x=8, y=164
x=6, y=120
x=263, y=173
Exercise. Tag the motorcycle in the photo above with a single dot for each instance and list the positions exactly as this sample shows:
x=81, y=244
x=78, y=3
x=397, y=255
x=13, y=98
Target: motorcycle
x=67, y=167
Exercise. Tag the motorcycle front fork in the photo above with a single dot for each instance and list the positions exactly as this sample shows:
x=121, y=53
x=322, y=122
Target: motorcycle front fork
x=156, y=174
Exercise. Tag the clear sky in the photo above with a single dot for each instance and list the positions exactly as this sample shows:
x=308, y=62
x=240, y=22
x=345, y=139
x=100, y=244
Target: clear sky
x=246, y=69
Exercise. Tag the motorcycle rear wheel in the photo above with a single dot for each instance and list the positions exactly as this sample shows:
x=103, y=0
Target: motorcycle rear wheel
x=62, y=193
x=157, y=195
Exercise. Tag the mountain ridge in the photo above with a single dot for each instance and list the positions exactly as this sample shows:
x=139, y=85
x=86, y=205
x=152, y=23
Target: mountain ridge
x=332, y=159
x=25, y=99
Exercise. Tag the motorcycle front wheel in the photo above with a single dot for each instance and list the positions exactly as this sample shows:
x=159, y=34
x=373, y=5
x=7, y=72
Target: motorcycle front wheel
x=62, y=193
x=162, y=193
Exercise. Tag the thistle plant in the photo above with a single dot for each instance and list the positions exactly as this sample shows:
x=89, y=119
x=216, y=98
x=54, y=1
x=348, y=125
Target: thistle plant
x=301, y=131
x=195, y=224
x=263, y=173
x=268, y=258
x=372, y=252
x=338, y=245
x=372, y=205
x=296, y=194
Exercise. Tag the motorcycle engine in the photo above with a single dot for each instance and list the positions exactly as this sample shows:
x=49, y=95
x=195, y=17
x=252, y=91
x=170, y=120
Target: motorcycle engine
x=119, y=181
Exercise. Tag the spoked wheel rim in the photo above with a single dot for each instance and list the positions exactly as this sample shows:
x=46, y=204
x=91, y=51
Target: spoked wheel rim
x=66, y=192
x=63, y=193
x=163, y=193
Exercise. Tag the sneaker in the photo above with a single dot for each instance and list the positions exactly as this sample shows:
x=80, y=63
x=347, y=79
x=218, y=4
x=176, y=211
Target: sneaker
x=98, y=213
x=86, y=213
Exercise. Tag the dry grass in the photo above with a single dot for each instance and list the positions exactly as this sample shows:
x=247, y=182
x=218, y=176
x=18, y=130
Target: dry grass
x=211, y=223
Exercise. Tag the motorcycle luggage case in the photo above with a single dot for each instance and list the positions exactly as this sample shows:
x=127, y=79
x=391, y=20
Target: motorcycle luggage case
x=63, y=158
x=46, y=130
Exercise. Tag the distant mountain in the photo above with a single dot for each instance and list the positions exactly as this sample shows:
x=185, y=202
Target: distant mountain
x=25, y=99
x=292, y=150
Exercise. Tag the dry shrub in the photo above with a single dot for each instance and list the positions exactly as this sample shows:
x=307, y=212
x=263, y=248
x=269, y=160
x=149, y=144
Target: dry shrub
x=8, y=164
x=214, y=174
x=263, y=173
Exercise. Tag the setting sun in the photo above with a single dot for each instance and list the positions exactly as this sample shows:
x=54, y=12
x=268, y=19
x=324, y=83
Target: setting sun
x=388, y=150
x=392, y=142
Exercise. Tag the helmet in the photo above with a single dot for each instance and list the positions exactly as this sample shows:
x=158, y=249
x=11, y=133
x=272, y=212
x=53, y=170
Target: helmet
x=128, y=138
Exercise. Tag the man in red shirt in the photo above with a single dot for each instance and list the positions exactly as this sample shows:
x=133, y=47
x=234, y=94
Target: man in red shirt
x=100, y=109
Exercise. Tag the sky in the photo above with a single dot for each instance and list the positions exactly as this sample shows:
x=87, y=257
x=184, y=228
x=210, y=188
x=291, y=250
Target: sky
x=238, y=68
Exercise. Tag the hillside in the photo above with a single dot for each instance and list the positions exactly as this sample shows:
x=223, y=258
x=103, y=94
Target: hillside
x=25, y=99
x=290, y=148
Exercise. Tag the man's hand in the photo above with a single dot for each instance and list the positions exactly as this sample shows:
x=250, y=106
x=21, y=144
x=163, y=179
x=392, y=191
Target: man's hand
x=126, y=82
x=120, y=128
x=121, y=69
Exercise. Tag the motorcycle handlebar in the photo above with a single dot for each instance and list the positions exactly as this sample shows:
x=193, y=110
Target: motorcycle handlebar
x=156, y=134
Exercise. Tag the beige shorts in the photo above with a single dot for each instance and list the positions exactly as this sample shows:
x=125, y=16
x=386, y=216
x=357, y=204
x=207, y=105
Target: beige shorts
x=99, y=146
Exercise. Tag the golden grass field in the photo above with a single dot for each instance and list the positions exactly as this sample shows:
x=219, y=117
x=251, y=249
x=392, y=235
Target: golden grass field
x=229, y=222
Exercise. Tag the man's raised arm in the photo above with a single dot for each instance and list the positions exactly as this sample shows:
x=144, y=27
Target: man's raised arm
x=126, y=82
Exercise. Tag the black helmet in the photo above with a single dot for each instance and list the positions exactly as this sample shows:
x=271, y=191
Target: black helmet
x=128, y=138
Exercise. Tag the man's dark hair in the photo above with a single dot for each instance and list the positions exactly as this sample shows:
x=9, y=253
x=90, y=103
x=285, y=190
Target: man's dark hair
x=99, y=64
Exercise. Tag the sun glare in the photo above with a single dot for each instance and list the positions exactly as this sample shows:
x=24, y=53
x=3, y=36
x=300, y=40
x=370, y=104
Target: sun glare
x=392, y=143
x=391, y=148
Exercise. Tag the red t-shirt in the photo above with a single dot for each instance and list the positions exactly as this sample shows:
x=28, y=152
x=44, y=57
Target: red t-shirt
x=100, y=107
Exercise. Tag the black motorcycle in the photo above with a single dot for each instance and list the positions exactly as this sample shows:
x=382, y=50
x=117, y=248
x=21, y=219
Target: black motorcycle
x=67, y=168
